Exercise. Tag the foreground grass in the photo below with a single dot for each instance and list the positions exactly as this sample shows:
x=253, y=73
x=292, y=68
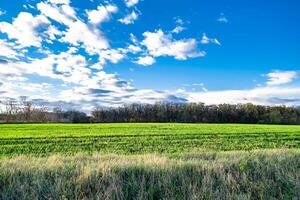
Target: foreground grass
x=140, y=138
x=263, y=174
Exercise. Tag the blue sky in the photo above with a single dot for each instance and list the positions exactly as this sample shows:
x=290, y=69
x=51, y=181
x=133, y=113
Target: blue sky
x=81, y=54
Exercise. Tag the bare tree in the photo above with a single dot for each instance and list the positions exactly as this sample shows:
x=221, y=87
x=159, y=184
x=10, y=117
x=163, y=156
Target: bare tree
x=11, y=111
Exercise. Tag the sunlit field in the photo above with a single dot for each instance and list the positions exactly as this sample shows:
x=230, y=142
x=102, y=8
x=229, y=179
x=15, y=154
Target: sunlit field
x=149, y=161
x=140, y=138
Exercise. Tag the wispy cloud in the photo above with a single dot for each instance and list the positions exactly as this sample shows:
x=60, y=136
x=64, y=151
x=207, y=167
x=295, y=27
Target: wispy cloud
x=130, y=18
x=223, y=19
x=281, y=77
x=178, y=29
x=130, y=3
x=207, y=40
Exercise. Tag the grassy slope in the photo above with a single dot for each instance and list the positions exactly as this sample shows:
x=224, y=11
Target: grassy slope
x=47, y=139
x=263, y=174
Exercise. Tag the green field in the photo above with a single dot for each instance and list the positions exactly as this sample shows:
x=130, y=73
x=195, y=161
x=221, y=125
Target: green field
x=141, y=138
x=149, y=161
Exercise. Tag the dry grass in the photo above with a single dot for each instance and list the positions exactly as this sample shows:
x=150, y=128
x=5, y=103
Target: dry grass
x=261, y=174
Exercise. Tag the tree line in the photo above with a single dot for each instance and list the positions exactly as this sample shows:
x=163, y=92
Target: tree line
x=199, y=113
x=27, y=112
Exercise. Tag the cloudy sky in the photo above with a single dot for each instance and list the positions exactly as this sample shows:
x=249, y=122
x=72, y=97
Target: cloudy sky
x=85, y=53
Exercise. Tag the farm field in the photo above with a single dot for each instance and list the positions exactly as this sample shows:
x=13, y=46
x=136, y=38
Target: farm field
x=141, y=138
x=149, y=161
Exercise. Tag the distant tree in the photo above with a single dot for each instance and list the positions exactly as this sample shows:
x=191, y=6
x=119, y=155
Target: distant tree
x=76, y=117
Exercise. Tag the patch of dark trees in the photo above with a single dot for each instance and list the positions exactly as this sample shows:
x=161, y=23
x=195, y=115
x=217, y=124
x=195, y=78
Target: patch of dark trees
x=160, y=112
x=199, y=113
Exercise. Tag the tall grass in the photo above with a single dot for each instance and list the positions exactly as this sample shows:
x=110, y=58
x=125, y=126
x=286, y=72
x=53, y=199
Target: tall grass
x=261, y=174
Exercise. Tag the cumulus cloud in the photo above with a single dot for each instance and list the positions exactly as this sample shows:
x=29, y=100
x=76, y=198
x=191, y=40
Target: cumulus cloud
x=145, y=61
x=112, y=55
x=134, y=49
x=130, y=3
x=7, y=50
x=160, y=44
x=53, y=32
x=24, y=29
x=102, y=14
x=130, y=18
x=64, y=66
x=78, y=32
x=61, y=14
x=281, y=77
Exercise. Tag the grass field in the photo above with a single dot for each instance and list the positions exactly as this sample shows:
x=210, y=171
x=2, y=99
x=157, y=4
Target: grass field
x=149, y=161
x=264, y=174
x=47, y=139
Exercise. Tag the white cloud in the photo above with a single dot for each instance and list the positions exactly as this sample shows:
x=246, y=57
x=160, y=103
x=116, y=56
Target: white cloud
x=102, y=14
x=77, y=33
x=130, y=3
x=160, y=44
x=7, y=50
x=64, y=66
x=53, y=32
x=178, y=29
x=23, y=88
x=134, y=49
x=207, y=40
x=60, y=1
x=133, y=38
x=281, y=77
x=223, y=19
x=260, y=95
x=112, y=55
x=56, y=13
x=179, y=21
x=145, y=61
x=24, y=29
x=271, y=94
x=130, y=18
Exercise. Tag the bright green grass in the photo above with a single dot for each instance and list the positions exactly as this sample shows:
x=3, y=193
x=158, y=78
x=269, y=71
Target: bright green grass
x=140, y=138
